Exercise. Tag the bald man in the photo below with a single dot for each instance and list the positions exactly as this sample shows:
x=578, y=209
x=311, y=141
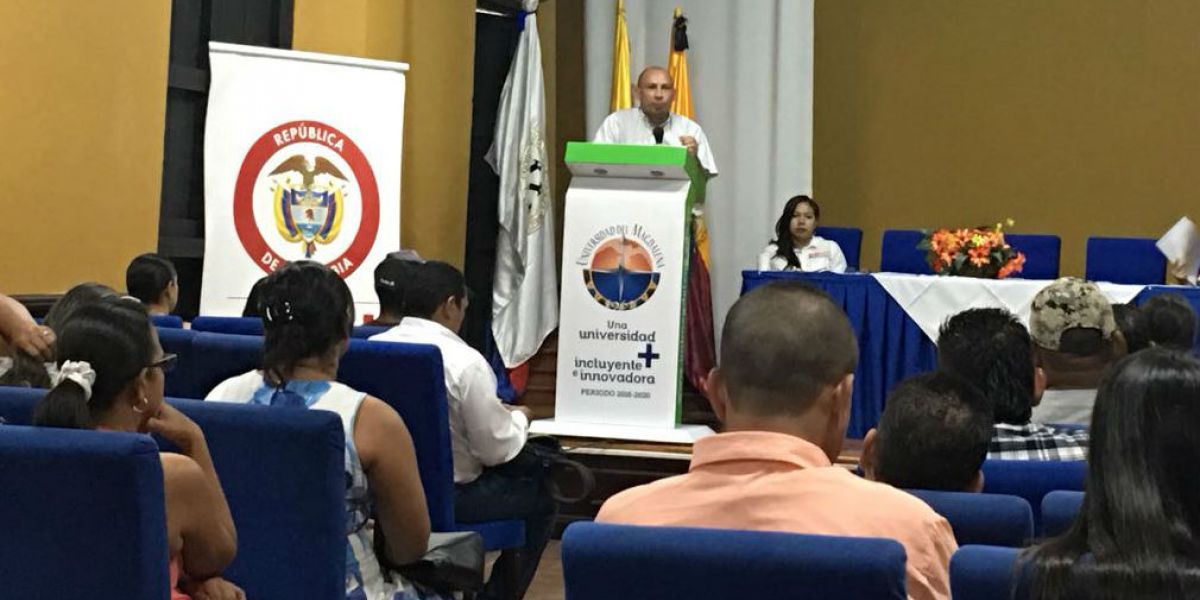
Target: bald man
x=652, y=122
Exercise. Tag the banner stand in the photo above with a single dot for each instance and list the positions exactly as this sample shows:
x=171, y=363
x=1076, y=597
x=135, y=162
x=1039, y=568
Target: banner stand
x=624, y=280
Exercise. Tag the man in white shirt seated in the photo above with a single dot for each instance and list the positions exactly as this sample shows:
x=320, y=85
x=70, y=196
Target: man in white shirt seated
x=652, y=121
x=485, y=434
x=1077, y=340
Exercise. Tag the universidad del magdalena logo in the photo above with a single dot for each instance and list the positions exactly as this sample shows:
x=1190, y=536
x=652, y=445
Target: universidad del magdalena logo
x=622, y=266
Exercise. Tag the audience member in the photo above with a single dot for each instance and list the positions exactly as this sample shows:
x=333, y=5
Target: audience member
x=782, y=390
x=1133, y=329
x=1170, y=322
x=933, y=435
x=1077, y=340
x=307, y=316
x=152, y=279
x=253, y=307
x=30, y=371
x=1136, y=534
x=796, y=246
x=990, y=347
x=110, y=377
x=486, y=436
x=391, y=277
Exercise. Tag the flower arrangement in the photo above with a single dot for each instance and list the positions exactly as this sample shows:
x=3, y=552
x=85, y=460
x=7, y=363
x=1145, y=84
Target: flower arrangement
x=977, y=252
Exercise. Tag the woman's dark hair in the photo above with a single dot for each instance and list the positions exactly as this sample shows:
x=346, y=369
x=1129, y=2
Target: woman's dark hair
x=253, y=306
x=148, y=276
x=1136, y=534
x=29, y=371
x=307, y=310
x=783, y=228
x=115, y=337
x=1130, y=322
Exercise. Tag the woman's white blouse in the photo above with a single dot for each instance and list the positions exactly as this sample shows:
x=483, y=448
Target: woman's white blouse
x=819, y=255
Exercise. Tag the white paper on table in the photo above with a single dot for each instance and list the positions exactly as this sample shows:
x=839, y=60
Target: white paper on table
x=1181, y=244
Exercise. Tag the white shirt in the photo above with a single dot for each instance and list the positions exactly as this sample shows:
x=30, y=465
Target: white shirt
x=819, y=255
x=630, y=126
x=1065, y=407
x=483, y=433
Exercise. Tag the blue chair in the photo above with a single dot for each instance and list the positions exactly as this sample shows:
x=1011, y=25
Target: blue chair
x=1032, y=480
x=1042, y=254
x=1125, y=260
x=1059, y=509
x=167, y=321
x=849, y=239
x=983, y=573
x=83, y=514
x=283, y=473
x=363, y=332
x=217, y=357
x=605, y=561
x=410, y=378
x=900, y=253
x=179, y=343
x=232, y=325
x=990, y=519
x=16, y=404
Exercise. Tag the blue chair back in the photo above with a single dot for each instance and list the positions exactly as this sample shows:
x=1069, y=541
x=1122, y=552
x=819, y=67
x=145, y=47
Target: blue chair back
x=179, y=343
x=167, y=321
x=849, y=239
x=983, y=573
x=1059, y=509
x=1032, y=480
x=991, y=519
x=410, y=378
x=218, y=357
x=363, y=332
x=1042, y=254
x=84, y=515
x=283, y=473
x=16, y=404
x=900, y=253
x=1125, y=260
x=606, y=561
x=231, y=325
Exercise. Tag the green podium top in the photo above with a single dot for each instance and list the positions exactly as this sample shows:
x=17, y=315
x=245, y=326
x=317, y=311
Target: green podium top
x=637, y=161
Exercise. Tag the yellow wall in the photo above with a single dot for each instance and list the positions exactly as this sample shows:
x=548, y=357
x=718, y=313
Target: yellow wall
x=1071, y=116
x=437, y=40
x=82, y=113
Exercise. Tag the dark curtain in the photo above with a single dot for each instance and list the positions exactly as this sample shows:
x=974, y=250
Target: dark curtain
x=495, y=44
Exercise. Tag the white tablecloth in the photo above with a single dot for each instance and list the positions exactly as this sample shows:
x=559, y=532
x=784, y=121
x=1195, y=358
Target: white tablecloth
x=930, y=299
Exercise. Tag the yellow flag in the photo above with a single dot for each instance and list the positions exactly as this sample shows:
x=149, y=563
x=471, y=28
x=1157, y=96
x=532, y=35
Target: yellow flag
x=621, y=97
x=677, y=67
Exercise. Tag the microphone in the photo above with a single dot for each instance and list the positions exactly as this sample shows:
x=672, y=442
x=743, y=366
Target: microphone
x=658, y=134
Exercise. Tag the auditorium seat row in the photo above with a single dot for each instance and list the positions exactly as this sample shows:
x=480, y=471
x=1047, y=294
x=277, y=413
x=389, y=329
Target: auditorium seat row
x=1114, y=259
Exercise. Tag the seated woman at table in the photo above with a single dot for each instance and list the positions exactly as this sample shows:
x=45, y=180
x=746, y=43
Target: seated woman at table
x=1136, y=534
x=796, y=247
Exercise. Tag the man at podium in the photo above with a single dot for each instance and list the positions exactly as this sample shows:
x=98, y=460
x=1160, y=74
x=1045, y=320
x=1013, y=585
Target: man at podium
x=652, y=122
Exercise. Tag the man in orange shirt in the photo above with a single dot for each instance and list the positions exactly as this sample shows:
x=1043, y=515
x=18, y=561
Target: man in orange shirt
x=783, y=391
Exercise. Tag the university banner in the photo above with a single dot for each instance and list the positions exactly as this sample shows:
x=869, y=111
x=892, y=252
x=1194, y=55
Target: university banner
x=302, y=162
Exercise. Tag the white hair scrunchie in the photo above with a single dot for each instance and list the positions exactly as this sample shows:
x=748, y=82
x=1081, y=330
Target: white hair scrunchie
x=78, y=371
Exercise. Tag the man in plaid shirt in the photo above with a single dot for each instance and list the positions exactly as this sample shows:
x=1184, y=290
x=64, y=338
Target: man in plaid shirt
x=991, y=347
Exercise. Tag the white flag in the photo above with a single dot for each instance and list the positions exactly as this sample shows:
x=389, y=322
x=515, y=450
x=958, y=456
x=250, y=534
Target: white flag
x=525, y=290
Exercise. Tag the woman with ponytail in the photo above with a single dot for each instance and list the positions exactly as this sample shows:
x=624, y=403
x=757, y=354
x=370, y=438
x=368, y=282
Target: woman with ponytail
x=110, y=377
x=307, y=314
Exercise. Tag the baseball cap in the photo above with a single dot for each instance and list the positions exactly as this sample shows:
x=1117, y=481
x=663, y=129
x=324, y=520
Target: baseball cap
x=1069, y=303
x=393, y=269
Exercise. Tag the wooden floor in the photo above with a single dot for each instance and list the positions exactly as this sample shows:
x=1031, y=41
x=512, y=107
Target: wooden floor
x=548, y=583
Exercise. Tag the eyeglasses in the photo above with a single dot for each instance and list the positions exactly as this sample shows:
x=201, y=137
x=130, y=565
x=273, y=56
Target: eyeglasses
x=166, y=363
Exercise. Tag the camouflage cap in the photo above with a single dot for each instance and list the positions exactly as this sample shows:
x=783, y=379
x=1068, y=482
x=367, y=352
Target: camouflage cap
x=1067, y=304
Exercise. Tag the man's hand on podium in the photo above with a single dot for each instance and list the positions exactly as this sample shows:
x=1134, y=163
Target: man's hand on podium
x=690, y=143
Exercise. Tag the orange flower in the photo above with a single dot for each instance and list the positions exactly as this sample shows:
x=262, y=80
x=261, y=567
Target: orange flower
x=1014, y=265
x=979, y=255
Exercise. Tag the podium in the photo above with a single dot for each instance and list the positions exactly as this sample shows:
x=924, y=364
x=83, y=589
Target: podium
x=625, y=259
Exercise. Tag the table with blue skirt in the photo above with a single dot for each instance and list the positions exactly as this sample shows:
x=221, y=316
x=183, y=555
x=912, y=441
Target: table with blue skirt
x=891, y=345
